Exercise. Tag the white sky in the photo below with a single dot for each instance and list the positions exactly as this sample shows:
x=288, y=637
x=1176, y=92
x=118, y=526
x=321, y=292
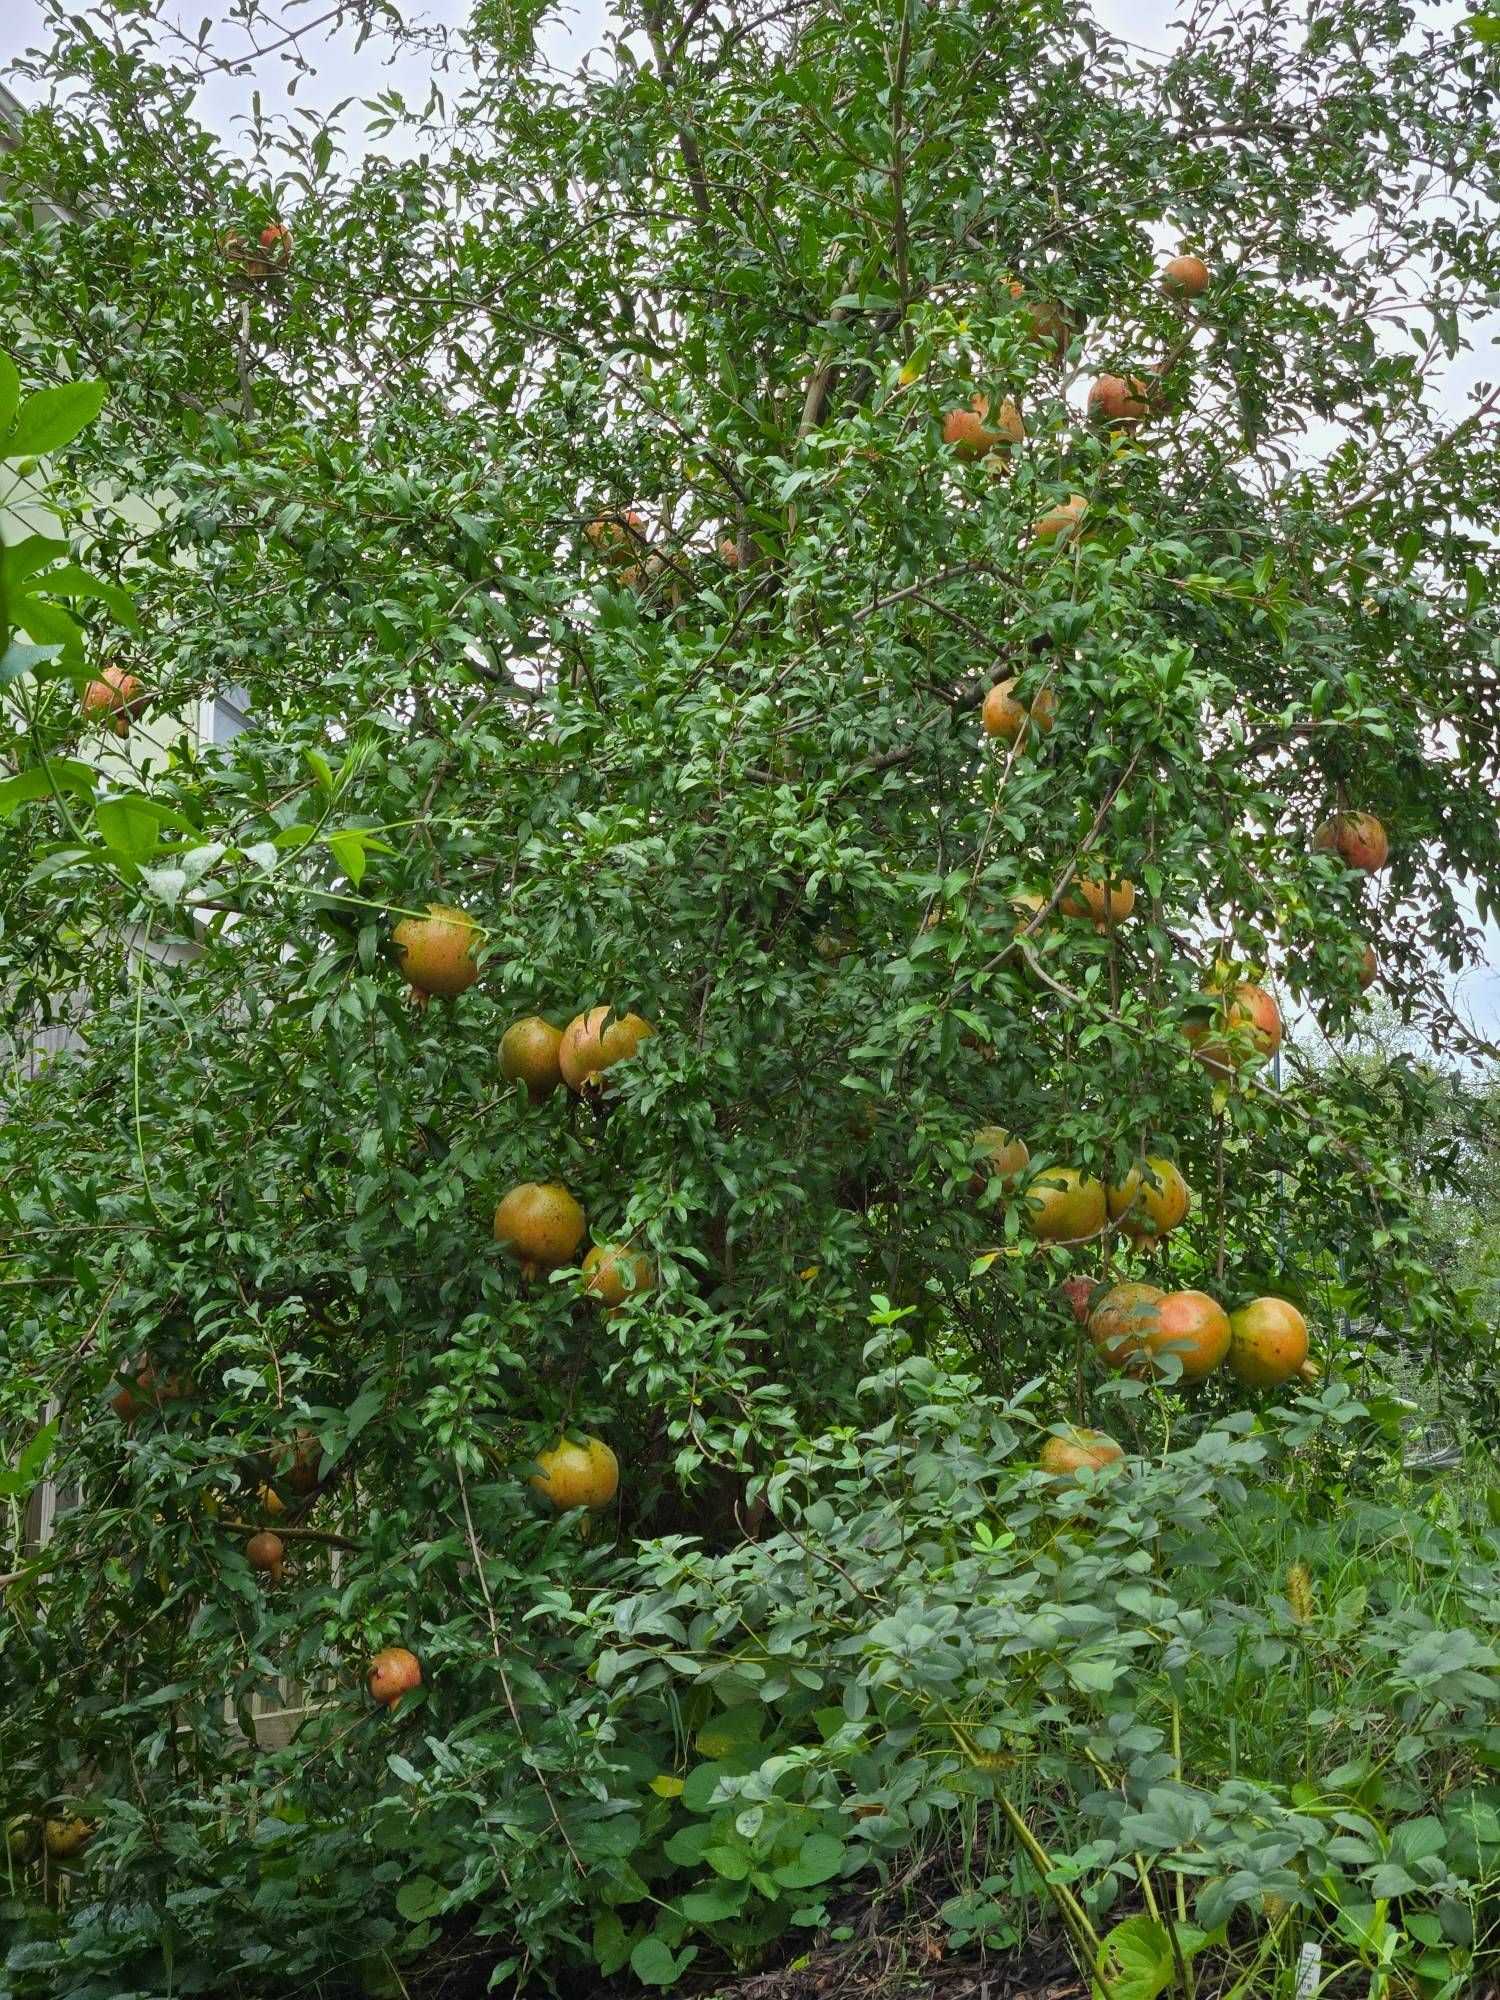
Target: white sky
x=567, y=39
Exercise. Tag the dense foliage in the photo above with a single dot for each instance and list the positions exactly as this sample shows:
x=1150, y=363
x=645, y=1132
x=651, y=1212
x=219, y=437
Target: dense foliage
x=570, y=498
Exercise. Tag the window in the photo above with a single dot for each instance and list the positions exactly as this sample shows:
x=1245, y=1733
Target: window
x=226, y=714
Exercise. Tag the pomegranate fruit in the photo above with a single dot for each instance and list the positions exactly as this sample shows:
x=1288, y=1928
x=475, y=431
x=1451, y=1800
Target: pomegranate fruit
x=1120, y=399
x=1369, y=968
x=1050, y=325
x=1079, y=1451
x=264, y=1552
x=1121, y=1319
x=973, y=434
x=1064, y=1205
x=1003, y=1157
x=1151, y=1201
x=594, y=1042
x=617, y=538
x=577, y=1475
x=393, y=1672
x=1079, y=1294
x=436, y=952
x=540, y=1225
x=1011, y=720
x=529, y=1055
x=1267, y=1343
x=613, y=1273
x=1061, y=523
x=114, y=697
x=1195, y=1328
x=298, y=1462
x=63, y=1838
x=1105, y=903
x=1357, y=838
x=1185, y=277
x=1246, y=1023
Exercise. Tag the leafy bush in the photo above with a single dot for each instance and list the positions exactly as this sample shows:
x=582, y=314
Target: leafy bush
x=1162, y=1681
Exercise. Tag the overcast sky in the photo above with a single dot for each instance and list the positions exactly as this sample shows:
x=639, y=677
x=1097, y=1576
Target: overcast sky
x=567, y=39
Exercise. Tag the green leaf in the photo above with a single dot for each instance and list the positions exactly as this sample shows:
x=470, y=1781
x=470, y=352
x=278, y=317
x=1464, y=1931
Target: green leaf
x=20, y=658
x=53, y=417
x=733, y=1863
x=1136, y=1957
x=733, y=1731
x=611, y=1942
x=712, y=1905
x=10, y=393
x=72, y=580
x=129, y=826
x=420, y=1898
x=48, y=624
x=20, y=1479
x=348, y=850
x=43, y=781
x=820, y=1859
x=686, y=1846
x=654, y=1964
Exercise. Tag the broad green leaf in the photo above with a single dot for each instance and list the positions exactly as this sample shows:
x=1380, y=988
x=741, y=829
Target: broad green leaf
x=654, y=1964
x=44, y=781
x=420, y=1898
x=20, y=658
x=129, y=827
x=348, y=850
x=52, y=417
x=1136, y=1957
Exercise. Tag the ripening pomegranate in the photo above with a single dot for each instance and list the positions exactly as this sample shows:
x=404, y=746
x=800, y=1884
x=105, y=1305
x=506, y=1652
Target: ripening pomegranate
x=150, y=1392
x=114, y=697
x=1185, y=277
x=1079, y=1294
x=594, y=1042
x=1121, y=1319
x=264, y=1552
x=1105, y=903
x=974, y=434
x=298, y=1462
x=63, y=1838
x=1064, y=1205
x=1061, y=523
x=436, y=952
x=1369, y=968
x=1357, y=838
x=577, y=1475
x=1079, y=1451
x=393, y=1672
x=617, y=538
x=1052, y=326
x=1002, y=1157
x=1267, y=1343
x=1119, y=399
x=1015, y=721
x=613, y=1273
x=541, y=1226
x=1246, y=1023
x=272, y=251
x=1151, y=1201
x=275, y=250
x=529, y=1054
x=1195, y=1328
